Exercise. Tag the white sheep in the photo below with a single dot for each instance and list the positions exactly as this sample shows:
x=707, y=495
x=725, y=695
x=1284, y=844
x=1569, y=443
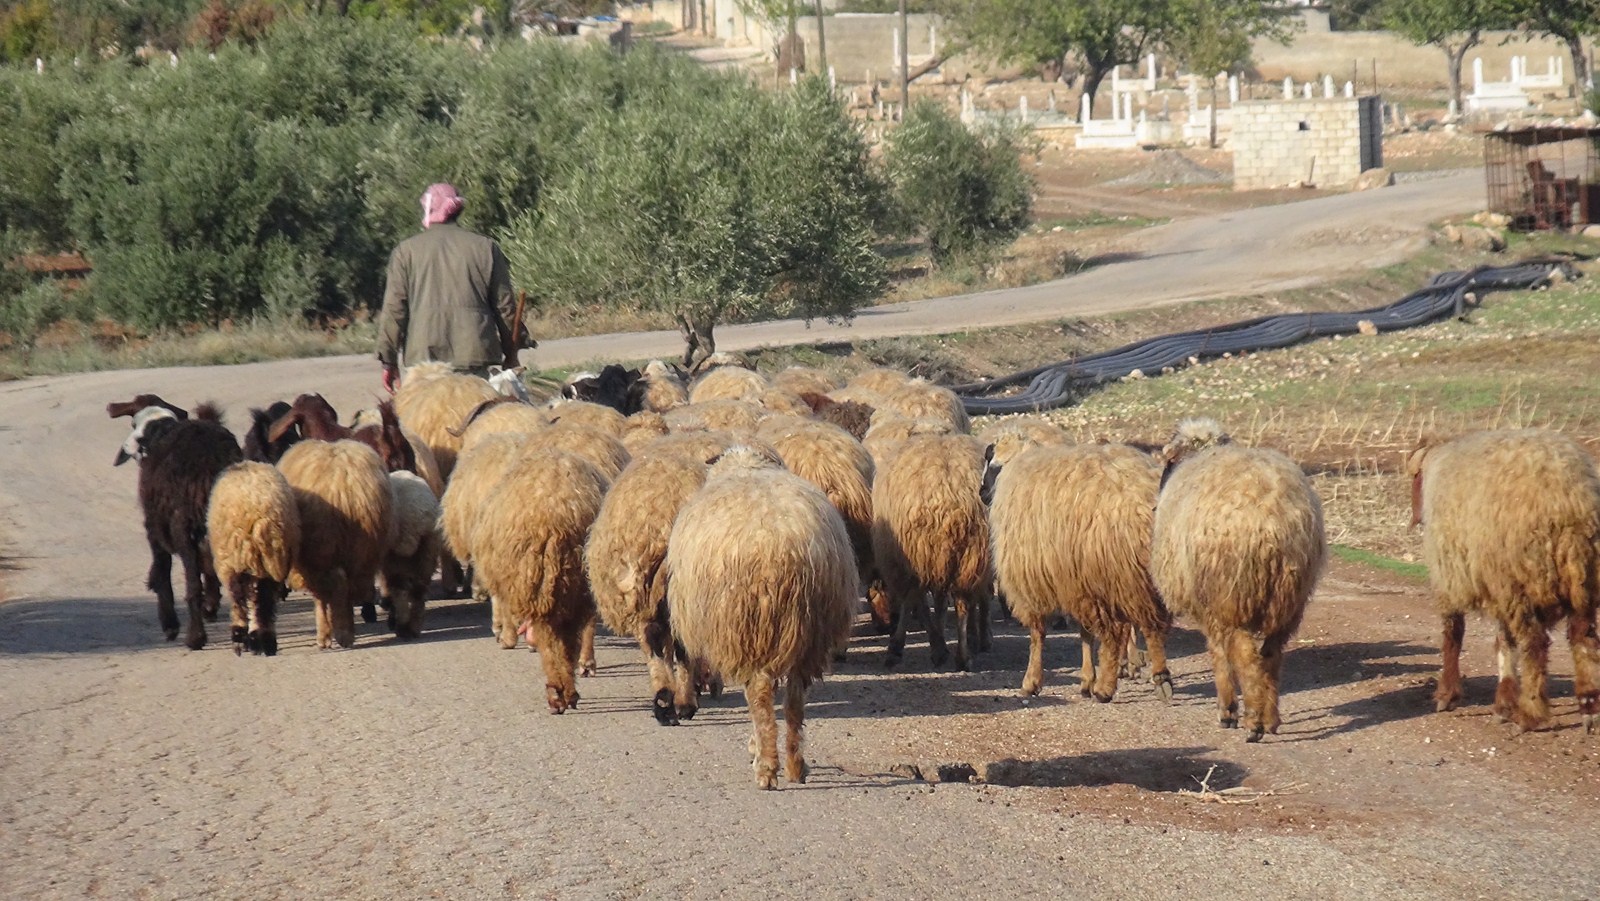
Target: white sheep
x=253, y=525
x=1238, y=545
x=1511, y=525
x=413, y=554
x=761, y=582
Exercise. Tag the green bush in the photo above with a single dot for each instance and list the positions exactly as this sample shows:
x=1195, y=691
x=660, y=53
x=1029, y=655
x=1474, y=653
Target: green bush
x=966, y=191
x=702, y=195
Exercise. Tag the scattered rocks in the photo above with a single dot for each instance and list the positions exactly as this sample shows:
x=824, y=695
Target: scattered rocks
x=1366, y=327
x=1377, y=177
x=1472, y=237
x=1492, y=220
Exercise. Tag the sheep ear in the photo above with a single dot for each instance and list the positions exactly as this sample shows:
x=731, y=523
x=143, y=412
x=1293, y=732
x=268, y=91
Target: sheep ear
x=285, y=422
x=988, y=455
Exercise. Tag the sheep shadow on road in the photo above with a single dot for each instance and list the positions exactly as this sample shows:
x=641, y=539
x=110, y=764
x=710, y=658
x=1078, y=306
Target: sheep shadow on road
x=1150, y=769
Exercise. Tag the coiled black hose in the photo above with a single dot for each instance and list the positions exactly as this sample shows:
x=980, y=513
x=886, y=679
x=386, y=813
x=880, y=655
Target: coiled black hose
x=1057, y=384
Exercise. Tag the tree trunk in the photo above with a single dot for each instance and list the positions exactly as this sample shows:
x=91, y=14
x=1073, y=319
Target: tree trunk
x=1455, y=55
x=698, y=340
x=1580, y=62
x=1212, y=135
x=794, y=41
x=1095, y=71
x=822, y=43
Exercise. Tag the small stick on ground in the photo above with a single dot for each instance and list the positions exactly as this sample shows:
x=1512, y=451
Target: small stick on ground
x=1239, y=794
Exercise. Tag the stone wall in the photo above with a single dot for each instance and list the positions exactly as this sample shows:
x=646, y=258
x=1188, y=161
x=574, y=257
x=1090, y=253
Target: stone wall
x=1323, y=141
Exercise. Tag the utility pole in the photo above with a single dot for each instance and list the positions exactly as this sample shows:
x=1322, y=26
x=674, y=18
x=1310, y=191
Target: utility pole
x=905, y=64
x=793, y=40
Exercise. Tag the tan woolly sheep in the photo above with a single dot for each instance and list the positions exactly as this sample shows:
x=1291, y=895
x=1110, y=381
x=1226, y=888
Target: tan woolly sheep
x=660, y=389
x=528, y=554
x=431, y=402
x=500, y=417
x=782, y=401
x=921, y=399
x=1238, y=545
x=624, y=555
x=805, y=380
x=254, y=528
x=427, y=464
x=346, y=523
x=728, y=383
x=479, y=475
x=604, y=452
x=594, y=416
x=876, y=381
x=1072, y=536
x=703, y=446
x=643, y=427
x=1511, y=524
x=885, y=435
x=930, y=534
x=761, y=584
x=721, y=415
x=410, y=559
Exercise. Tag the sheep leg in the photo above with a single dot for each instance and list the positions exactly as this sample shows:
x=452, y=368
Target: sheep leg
x=324, y=624
x=342, y=614
x=211, y=598
x=903, y=601
x=1448, y=694
x=586, y=663
x=794, y=720
x=1271, y=671
x=1155, y=641
x=506, y=630
x=1112, y=647
x=1245, y=658
x=558, y=653
x=686, y=687
x=1533, y=702
x=937, y=649
x=1033, y=678
x=653, y=641
x=1222, y=672
x=1505, y=689
x=242, y=589
x=264, y=617
x=963, y=632
x=1585, y=666
x=160, y=581
x=369, y=611
x=1086, y=662
x=985, y=622
x=193, y=597
x=758, y=694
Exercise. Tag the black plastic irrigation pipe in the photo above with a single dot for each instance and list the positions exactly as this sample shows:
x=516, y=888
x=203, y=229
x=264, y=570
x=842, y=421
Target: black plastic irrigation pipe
x=1057, y=384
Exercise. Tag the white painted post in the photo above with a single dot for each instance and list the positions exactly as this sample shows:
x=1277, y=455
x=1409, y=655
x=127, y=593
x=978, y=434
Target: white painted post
x=794, y=77
x=1152, y=60
x=1349, y=89
x=1327, y=87
x=1454, y=110
x=1307, y=91
x=1087, y=110
x=1127, y=107
x=172, y=59
x=894, y=47
x=38, y=65
x=1051, y=102
x=1193, y=93
x=833, y=79
x=933, y=39
x=1288, y=87
x=1233, y=89
x=1561, y=66
x=1022, y=109
x=1116, y=84
x=1477, y=75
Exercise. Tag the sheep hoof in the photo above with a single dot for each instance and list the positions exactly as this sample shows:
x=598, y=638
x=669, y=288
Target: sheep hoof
x=172, y=633
x=665, y=713
x=195, y=641
x=687, y=711
x=267, y=644
x=1229, y=722
x=1442, y=705
x=1163, y=682
x=241, y=640
x=587, y=668
x=1103, y=698
x=1589, y=720
x=797, y=771
x=1255, y=735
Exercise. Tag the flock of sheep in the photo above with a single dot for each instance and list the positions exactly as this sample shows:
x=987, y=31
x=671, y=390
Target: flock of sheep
x=732, y=525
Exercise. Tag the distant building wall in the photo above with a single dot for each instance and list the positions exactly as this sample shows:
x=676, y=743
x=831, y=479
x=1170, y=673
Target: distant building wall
x=1326, y=141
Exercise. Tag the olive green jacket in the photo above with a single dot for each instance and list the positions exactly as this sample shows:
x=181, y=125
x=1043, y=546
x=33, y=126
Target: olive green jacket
x=447, y=299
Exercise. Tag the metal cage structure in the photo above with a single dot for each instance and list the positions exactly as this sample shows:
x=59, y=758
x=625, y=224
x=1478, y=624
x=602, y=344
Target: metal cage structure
x=1544, y=176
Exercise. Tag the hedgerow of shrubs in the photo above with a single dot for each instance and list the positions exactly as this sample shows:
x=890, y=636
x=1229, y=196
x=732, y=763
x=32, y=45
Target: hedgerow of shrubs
x=272, y=180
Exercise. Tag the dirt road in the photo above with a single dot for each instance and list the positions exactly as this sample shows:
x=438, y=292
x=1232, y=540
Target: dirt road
x=130, y=767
